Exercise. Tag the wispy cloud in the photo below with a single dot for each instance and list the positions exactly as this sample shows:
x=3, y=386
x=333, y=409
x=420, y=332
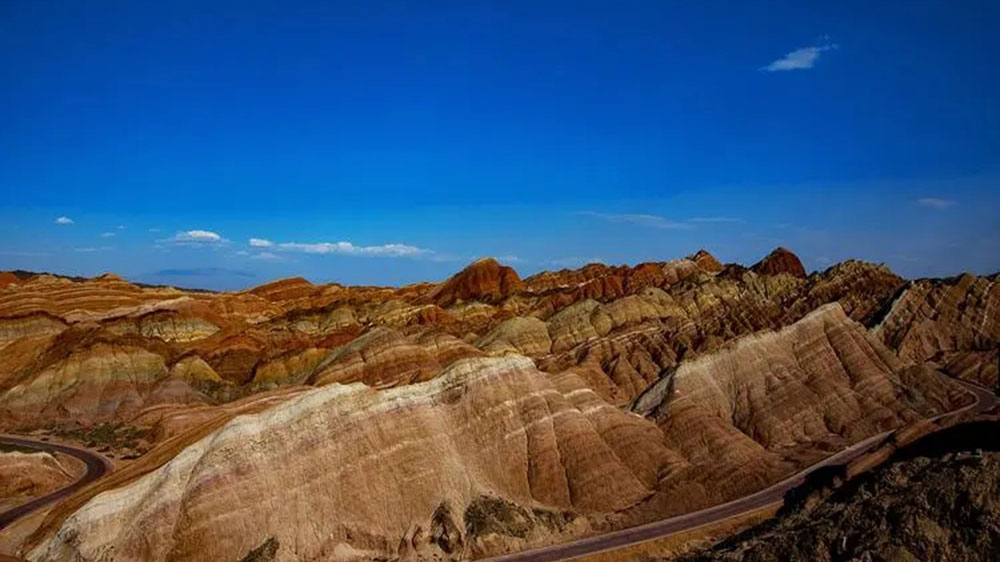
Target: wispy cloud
x=651, y=221
x=349, y=249
x=120, y=227
x=261, y=243
x=716, y=220
x=266, y=256
x=93, y=249
x=799, y=59
x=195, y=238
x=936, y=202
x=63, y=220
x=107, y=235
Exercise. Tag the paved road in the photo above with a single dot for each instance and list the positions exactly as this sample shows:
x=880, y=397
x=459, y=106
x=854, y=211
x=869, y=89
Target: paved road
x=97, y=466
x=985, y=400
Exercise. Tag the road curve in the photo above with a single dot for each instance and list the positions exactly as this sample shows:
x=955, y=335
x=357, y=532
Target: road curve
x=97, y=466
x=985, y=400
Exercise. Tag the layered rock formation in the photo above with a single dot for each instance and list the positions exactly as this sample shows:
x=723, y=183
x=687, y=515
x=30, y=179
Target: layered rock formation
x=781, y=260
x=75, y=299
x=473, y=416
x=485, y=280
x=97, y=383
x=28, y=475
x=706, y=261
x=385, y=357
x=635, y=339
x=618, y=327
x=37, y=324
x=413, y=472
x=776, y=400
x=7, y=278
x=954, y=323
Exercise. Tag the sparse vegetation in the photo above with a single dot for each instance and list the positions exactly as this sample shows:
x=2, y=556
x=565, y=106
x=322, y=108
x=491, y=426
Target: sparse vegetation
x=496, y=515
x=488, y=515
x=263, y=553
x=130, y=441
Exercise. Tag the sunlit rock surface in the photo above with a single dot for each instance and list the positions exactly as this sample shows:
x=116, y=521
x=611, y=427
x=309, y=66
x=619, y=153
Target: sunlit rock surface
x=954, y=323
x=618, y=327
x=409, y=474
x=27, y=475
x=766, y=402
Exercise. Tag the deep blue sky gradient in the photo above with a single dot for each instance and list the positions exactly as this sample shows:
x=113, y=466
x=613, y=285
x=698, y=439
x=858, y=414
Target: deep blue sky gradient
x=522, y=129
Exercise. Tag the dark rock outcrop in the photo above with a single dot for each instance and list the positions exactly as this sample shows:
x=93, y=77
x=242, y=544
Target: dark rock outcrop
x=779, y=261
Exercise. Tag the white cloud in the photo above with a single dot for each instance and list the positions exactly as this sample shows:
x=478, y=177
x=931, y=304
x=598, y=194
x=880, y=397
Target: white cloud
x=107, y=235
x=347, y=248
x=242, y=253
x=120, y=227
x=64, y=220
x=651, y=221
x=93, y=249
x=261, y=243
x=799, y=59
x=936, y=202
x=195, y=238
x=824, y=260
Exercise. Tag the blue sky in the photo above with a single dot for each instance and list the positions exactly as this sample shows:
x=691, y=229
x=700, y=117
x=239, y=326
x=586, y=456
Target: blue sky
x=391, y=142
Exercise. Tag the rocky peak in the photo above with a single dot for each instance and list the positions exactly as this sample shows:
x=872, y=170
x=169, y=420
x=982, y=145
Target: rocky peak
x=706, y=261
x=285, y=289
x=7, y=278
x=780, y=260
x=485, y=279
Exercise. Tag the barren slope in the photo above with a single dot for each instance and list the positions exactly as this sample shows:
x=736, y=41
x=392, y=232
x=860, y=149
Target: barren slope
x=773, y=401
x=935, y=503
x=413, y=471
x=953, y=322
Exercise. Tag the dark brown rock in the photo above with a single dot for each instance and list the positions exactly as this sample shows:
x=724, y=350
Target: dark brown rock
x=779, y=261
x=485, y=280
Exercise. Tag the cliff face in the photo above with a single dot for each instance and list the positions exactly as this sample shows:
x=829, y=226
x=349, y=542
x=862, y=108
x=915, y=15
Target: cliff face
x=413, y=472
x=954, y=323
